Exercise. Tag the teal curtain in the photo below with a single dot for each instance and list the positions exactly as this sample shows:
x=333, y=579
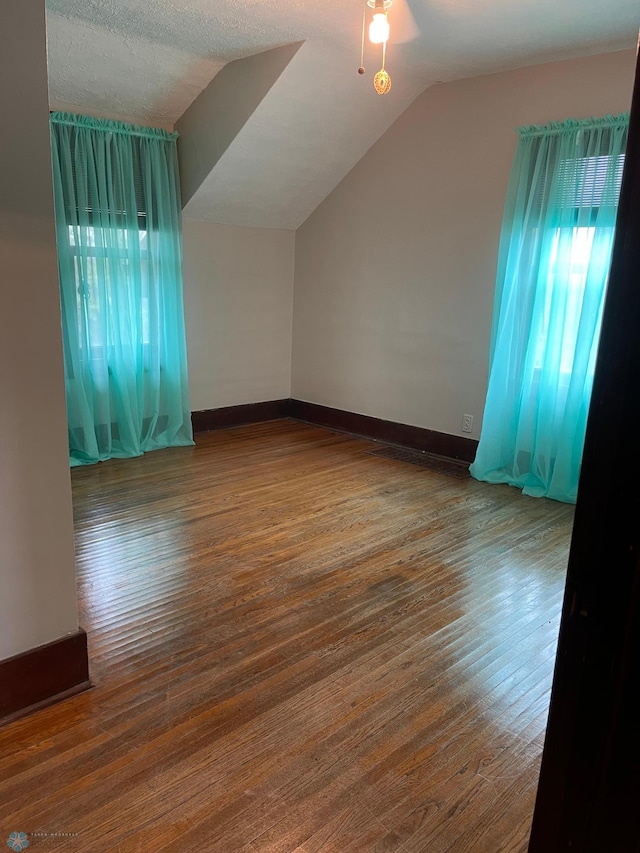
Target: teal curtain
x=118, y=226
x=553, y=264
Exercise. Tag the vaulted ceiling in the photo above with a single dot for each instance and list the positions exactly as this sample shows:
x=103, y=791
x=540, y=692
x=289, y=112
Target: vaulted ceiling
x=147, y=61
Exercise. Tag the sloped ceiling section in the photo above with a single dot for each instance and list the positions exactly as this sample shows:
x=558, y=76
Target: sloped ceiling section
x=147, y=62
x=298, y=143
x=219, y=113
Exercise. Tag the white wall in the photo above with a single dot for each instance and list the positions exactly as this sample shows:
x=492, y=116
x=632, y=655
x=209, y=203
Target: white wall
x=238, y=294
x=395, y=271
x=37, y=569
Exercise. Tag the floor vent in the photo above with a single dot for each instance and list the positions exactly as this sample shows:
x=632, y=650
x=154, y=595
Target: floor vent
x=450, y=467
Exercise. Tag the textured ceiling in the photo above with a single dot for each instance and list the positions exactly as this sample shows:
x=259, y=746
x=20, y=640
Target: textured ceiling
x=147, y=61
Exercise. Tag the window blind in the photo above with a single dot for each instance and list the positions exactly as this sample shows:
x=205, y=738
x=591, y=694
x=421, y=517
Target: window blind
x=589, y=181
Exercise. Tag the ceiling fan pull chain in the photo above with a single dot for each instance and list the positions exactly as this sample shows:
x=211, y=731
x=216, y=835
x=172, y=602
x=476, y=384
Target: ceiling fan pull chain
x=364, y=22
x=382, y=81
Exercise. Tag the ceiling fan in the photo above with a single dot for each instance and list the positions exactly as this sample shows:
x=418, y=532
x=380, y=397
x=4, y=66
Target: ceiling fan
x=405, y=29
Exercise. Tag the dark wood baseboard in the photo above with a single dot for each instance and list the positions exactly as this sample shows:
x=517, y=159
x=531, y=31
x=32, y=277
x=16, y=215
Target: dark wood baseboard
x=390, y=432
x=232, y=416
x=417, y=438
x=43, y=675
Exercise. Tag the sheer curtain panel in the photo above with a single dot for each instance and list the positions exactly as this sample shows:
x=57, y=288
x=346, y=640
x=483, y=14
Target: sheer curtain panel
x=117, y=205
x=553, y=264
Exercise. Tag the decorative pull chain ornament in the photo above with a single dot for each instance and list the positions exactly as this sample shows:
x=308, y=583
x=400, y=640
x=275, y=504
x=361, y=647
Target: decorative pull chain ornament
x=378, y=34
x=382, y=82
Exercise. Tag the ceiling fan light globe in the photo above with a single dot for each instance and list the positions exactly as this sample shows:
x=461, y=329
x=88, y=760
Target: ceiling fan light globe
x=379, y=28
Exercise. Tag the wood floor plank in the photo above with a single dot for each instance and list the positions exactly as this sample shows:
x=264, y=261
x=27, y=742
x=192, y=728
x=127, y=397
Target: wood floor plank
x=297, y=646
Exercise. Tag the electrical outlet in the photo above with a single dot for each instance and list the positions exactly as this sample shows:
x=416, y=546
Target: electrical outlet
x=467, y=423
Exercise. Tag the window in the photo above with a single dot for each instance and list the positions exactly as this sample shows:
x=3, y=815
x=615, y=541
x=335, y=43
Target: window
x=553, y=268
x=568, y=271
x=583, y=188
x=117, y=208
x=102, y=259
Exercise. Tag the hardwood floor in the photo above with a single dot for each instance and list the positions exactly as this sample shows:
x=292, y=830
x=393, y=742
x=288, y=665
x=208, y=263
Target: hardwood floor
x=297, y=645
